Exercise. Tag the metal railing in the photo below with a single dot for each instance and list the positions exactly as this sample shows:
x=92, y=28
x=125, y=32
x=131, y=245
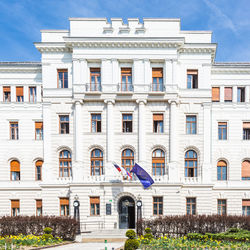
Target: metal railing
x=125, y=87
x=92, y=225
x=157, y=87
x=93, y=87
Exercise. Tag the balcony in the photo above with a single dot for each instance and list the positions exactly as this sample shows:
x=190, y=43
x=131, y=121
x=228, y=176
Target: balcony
x=93, y=87
x=157, y=87
x=125, y=87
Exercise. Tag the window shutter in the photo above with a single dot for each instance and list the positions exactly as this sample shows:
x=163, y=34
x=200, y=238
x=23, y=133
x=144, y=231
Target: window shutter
x=95, y=69
x=15, y=203
x=19, y=91
x=38, y=125
x=228, y=95
x=222, y=123
x=192, y=72
x=15, y=166
x=221, y=164
x=157, y=72
x=62, y=70
x=246, y=203
x=158, y=117
x=246, y=124
x=245, y=169
x=94, y=200
x=39, y=203
x=126, y=70
x=64, y=201
x=215, y=94
x=39, y=163
x=6, y=89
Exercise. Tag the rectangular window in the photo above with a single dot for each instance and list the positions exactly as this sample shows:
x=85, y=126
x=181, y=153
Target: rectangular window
x=39, y=130
x=39, y=208
x=222, y=207
x=126, y=78
x=19, y=94
x=64, y=206
x=6, y=94
x=246, y=130
x=246, y=207
x=215, y=94
x=192, y=79
x=127, y=123
x=15, y=207
x=158, y=123
x=14, y=131
x=64, y=124
x=221, y=171
x=94, y=206
x=62, y=78
x=157, y=79
x=191, y=206
x=241, y=94
x=222, y=130
x=228, y=94
x=191, y=124
x=95, y=79
x=32, y=94
x=96, y=123
x=157, y=205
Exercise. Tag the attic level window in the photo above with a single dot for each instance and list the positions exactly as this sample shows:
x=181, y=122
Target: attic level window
x=192, y=79
x=19, y=94
x=157, y=79
x=241, y=94
x=246, y=130
x=127, y=123
x=62, y=78
x=6, y=94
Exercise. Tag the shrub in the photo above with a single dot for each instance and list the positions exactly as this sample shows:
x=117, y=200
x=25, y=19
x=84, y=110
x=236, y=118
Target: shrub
x=180, y=225
x=131, y=243
x=130, y=234
x=63, y=227
x=148, y=235
x=47, y=230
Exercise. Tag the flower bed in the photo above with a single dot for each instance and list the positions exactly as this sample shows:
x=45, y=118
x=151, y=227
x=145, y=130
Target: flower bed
x=28, y=240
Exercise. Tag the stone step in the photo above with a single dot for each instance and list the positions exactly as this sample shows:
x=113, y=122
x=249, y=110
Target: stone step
x=102, y=240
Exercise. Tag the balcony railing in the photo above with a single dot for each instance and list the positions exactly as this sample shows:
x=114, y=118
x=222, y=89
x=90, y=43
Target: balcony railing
x=157, y=87
x=125, y=87
x=93, y=87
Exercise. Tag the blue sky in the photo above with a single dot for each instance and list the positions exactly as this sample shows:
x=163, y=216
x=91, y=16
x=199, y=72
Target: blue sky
x=22, y=20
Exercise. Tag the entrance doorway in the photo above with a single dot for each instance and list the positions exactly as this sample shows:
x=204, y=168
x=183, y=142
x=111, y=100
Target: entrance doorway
x=126, y=207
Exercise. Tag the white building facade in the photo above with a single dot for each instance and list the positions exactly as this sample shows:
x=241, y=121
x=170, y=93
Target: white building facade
x=109, y=92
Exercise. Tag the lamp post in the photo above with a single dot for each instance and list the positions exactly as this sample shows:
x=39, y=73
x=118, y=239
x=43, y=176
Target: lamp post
x=76, y=205
x=139, y=214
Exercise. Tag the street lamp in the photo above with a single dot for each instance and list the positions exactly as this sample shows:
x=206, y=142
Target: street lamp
x=139, y=214
x=76, y=205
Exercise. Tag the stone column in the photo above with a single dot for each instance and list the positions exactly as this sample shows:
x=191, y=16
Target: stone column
x=222, y=94
x=47, y=164
x=109, y=129
x=39, y=93
x=234, y=93
x=13, y=93
x=76, y=72
x=247, y=93
x=168, y=72
x=83, y=72
x=147, y=75
x=173, y=167
x=206, y=168
x=26, y=93
x=174, y=72
x=141, y=129
x=78, y=150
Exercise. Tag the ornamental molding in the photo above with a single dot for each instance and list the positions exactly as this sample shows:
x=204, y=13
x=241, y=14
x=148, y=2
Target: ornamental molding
x=230, y=71
x=21, y=69
x=198, y=50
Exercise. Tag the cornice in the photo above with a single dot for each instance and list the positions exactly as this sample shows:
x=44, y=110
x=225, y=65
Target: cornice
x=21, y=69
x=230, y=71
x=52, y=47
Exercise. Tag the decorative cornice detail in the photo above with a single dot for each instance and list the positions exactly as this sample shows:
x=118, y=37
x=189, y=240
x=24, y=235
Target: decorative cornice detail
x=211, y=51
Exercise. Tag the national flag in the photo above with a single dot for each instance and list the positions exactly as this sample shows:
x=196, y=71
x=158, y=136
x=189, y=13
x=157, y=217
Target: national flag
x=142, y=175
x=122, y=170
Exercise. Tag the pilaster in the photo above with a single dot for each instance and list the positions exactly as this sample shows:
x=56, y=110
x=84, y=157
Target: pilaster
x=234, y=93
x=222, y=89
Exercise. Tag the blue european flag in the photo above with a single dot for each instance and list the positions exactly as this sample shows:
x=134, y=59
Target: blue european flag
x=142, y=175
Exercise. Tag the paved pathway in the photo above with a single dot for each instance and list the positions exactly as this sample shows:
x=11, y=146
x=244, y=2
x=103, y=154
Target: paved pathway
x=88, y=246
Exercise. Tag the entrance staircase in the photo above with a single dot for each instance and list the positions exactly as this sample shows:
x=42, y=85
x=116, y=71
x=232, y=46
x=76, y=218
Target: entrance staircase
x=111, y=235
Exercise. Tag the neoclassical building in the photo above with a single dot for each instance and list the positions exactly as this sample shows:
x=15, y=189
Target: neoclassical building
x=119, y=92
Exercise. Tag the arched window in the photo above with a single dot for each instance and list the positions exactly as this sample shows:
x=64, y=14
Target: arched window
x=127, y=159
x=96, y=162
x=191, y=164
x=221, y=171
x=65, y=164
x=245, y=170
x=39, y=170
x=158, y=162
x=15, y=170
